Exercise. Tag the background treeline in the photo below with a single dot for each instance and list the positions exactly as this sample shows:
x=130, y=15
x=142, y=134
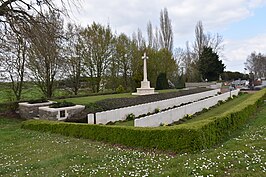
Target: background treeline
x=42, y=49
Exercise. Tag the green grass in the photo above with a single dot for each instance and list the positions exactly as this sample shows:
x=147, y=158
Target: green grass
x=33, y=92
x=125, y=123
x=242, y=155
x=229, y=105
x=30, y=153
x=167, y=90
x=93, y=99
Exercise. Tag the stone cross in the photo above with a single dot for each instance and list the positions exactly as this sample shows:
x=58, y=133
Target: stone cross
x=145, y=67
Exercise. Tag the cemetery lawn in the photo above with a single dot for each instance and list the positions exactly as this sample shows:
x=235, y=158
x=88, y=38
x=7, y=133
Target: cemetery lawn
x=93, y=99
x=31, y=153
x=216, y=111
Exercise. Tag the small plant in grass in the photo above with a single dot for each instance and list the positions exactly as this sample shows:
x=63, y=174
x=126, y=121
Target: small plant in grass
x=229, y=98
x=156, y=110
x=163, y=124
x=204, y=110
x=187, y=117
x=62, y=104
x=130, y=116
x=220, y=102
x=242, y=93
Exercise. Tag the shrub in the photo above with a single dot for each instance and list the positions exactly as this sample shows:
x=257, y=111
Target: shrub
x=41, y=100
x=220, y=102
x=157, y=110
x=130, y=116
x=204, y=110
x=62, y=104
x=162, y=82
x=229, y=98
x=120, y=89
x=163, y=124
x=10, y=106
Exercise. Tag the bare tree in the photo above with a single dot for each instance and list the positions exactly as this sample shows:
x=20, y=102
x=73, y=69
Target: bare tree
x=166, y=33
x=150, y=34
x=179, y=55
x=256, y=64
x=74, y=65
x=200, y=40
x=203, y=39
x=45, y=56
x=13, y=58
x=153, y=37
x=14, y=12
x=156, y=40
x=139, y=40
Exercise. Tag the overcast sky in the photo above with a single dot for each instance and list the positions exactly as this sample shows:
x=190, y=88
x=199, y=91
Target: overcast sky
x=242, y=23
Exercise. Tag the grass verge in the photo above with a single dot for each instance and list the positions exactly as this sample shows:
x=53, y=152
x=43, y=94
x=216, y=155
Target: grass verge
x=218, y=110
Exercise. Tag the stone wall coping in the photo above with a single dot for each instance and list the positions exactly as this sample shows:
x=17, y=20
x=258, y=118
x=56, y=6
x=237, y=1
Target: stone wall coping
x=47, y=108
x=27, y=104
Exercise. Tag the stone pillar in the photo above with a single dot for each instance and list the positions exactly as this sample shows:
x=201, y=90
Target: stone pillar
x=145, y=67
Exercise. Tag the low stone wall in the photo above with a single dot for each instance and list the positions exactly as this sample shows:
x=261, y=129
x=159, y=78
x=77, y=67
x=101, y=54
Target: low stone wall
x=170, y=116
x=29, y=111
x=59, y=113
x=121, y=113
x=198, y=84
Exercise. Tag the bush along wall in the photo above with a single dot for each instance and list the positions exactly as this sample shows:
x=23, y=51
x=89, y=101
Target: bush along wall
x=181, y=138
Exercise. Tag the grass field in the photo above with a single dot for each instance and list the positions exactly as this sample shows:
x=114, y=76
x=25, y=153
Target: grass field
x=6, y=95
x=33, y=92
x=30, y=153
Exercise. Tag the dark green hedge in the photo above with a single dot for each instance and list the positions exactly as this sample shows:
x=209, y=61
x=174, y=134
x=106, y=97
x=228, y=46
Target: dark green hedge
x=7, y=107
x=181, y=138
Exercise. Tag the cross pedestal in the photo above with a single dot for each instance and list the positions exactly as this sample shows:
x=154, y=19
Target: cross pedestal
x=145, y=88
